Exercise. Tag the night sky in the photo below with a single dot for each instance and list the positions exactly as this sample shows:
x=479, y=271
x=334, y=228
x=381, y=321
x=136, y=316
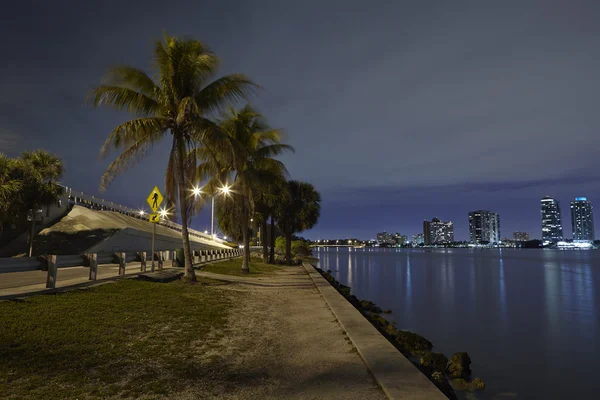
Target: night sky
x=398, y=110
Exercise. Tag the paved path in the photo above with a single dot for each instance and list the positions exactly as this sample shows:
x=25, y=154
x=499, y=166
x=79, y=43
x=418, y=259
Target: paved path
x=283, y=337
x=398, y=377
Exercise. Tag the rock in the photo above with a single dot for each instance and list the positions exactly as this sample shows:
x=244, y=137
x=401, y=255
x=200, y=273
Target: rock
x=413, y=343
x=442, y=383
x=369, y=306
x=434, y=362
x=459, y=366
x=344, y=290
x=475, y=384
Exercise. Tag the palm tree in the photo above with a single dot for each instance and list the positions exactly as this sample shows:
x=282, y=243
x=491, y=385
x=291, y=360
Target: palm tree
x=301, y=211
x=39, y=172
x=9, y=188
x=266, y=197
x=178, y=100
x=248, y=163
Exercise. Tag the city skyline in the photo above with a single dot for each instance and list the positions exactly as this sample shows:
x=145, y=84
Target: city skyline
x=457, y=107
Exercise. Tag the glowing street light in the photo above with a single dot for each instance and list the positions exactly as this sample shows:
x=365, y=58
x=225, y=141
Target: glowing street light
x=163, y=213
x=225, y=189
x=142, y=212
x=197, y=191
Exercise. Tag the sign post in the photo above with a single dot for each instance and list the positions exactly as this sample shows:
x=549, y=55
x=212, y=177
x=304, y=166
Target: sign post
x=154, y=200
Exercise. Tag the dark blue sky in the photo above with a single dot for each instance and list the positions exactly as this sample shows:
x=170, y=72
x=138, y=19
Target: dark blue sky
x=398, y=110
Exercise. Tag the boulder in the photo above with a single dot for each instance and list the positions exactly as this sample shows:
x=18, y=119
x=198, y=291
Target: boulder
x=369, y=306
x=413, y=343
x=458, y=367
x=442, y=383
x=464, y=385
x=434, y=362
x=344, y=290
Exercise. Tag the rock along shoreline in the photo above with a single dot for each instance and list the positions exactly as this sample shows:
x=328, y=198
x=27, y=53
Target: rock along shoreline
x=447, y=375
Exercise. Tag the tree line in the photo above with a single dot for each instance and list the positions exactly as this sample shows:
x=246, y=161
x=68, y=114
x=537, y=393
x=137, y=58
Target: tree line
x=212, y=143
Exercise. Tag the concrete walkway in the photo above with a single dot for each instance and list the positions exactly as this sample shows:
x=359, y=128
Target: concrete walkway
x=396, y=375
x=285, y=342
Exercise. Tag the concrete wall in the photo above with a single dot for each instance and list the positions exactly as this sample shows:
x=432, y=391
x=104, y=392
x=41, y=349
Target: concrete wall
x=131, y=240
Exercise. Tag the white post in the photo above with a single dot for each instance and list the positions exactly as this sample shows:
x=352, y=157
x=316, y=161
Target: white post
x=93, y=260
x=143, y=261
x=51, y=277
x=122, y=263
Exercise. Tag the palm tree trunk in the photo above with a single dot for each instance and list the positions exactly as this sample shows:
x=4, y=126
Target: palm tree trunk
x=246, y=237
x=32, y=231
x=272, y=241
x=187, y=252
x=288, y=248
x=264, y=238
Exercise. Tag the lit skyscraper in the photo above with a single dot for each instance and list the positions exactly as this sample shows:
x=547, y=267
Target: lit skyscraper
x=484, y=227
x=551, y=221
x=582, y=219
x=438, y=232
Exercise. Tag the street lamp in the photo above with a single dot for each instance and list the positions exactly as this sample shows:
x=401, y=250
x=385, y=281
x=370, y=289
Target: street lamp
x=224, y=190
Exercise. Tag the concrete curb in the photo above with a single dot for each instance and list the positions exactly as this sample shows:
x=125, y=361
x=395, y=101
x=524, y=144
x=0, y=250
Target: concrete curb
x=397, y=376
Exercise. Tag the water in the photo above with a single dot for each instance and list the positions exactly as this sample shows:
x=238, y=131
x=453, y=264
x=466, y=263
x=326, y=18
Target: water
x=528, y=318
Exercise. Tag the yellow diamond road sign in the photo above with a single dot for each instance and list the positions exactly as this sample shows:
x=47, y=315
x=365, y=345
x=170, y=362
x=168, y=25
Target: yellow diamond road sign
x=154, y=199
x=154, y=218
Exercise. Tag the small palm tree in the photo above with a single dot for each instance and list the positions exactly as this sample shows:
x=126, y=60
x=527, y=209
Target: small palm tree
x=38, y=172
x=248, y=162
x=266, y=199
x=10, y=187
x=179, y=101
x=300, y=212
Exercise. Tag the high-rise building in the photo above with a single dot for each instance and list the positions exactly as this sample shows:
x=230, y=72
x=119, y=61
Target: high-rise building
x=438, y=232
x=418, y=239
x=484, y=227
x=582, y=219
x=521, y=236
x=385, y=238
x=426, y=232
x=400, y=240
x=551, y=221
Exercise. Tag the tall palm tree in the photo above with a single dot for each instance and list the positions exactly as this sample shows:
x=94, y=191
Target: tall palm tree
x=178, y=100
x=248, y=163
x=300, y=212
x=39, y=172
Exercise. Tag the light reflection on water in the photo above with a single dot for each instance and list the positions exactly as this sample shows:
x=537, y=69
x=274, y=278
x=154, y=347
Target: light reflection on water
x=528, y=318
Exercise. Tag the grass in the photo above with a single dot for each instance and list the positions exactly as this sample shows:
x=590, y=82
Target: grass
x=121, y=340
x=234, y=267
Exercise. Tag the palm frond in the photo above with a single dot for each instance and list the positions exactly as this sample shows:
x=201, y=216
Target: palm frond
x=133, y=78
x=224, y=91
x=123, y=98
x=129, y=157
x=133, y=131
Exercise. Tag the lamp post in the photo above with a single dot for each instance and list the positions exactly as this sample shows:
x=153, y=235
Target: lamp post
x=197, y=191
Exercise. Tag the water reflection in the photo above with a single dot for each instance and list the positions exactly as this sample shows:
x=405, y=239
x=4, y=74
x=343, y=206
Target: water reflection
x=502, y=289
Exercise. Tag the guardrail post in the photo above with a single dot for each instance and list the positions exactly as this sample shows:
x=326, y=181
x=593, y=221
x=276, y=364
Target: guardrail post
x=92, y=259
x=142, y=261
x=51, y=277
x=122, y=263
